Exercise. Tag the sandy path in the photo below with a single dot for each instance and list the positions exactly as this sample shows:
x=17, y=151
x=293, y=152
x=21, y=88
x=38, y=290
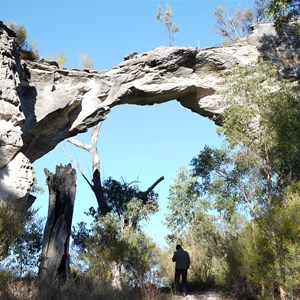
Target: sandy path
x=203, y=296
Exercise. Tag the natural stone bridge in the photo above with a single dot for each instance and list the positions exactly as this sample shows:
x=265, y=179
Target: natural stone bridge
x=41, y=104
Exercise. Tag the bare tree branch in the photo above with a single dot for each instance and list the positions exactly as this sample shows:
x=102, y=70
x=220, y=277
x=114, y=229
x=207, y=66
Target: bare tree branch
x=75, y=162
x=154, y=184
x=79, y=144
x=95, y=184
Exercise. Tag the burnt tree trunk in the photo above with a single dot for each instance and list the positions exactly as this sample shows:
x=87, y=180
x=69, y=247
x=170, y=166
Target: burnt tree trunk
x=55, y=253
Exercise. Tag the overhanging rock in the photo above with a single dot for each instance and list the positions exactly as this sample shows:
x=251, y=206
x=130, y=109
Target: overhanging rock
x=41, y=104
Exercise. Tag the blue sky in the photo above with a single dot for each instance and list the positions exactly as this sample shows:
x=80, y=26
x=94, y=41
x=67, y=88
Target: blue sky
x=135, y=142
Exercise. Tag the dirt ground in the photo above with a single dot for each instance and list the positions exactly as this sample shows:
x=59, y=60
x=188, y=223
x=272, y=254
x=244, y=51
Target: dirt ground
x=202, y=296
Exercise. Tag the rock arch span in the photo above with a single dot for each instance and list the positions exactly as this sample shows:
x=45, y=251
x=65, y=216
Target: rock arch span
x=41, y=104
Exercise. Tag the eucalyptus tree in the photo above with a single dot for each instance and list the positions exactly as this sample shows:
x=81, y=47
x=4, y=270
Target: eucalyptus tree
x=262, y=127
x=250, y=186
x=270, y=126
x=192, y=224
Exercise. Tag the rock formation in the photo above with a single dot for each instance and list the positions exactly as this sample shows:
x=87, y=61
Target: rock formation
x=42, y=104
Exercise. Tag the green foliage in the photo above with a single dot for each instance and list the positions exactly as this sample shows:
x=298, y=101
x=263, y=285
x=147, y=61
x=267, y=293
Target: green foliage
x=25, y=251
x=283, y=10
x=21, y=240
x=235, y=25
x=270, y=126
x=253, y=242
x=111, y=244
x=11, y=225
x=183, y=202
x=102, y=246
x=86, y=62
x=167, y=20
x=115, y=243
x=224, y=177
x=140, y=259
x=60, y=58
x=192, y=225
x=265, y=122
x=266, y=255
x=239, y=205
x=281, y=248
x=120, y=196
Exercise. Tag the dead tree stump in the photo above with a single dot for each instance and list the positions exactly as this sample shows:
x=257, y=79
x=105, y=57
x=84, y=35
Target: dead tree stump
x=55, y=262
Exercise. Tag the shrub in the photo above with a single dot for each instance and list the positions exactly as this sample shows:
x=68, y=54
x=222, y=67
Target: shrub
x=28, y=51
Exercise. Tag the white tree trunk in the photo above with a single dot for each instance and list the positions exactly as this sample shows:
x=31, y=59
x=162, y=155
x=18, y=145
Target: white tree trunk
x=282, y=293
x=116, y=276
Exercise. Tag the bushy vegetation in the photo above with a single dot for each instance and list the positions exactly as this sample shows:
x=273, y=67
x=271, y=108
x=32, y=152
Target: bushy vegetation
x=86, y=62
x=115, y=249
x=28, y=50
x=20, y=241
x=283, y=10
x=235, y=210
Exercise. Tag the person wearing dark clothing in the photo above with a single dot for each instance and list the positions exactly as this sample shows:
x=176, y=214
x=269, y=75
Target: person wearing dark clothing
x=182, y=263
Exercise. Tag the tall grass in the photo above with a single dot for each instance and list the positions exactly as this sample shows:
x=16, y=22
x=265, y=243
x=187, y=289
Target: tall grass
x=12, y=288
x=34, y=289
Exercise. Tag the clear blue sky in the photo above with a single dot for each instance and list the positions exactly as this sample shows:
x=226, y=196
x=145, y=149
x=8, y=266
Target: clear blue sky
x=135, y=142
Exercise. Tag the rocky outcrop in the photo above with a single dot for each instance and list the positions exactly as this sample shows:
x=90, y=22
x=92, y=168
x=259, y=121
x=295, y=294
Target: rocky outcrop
x=16, y=172
x=41, y=104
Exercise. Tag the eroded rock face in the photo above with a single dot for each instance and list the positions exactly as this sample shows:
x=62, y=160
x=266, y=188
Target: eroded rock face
x=16, y=172
x=79, y=99
x=41, y=105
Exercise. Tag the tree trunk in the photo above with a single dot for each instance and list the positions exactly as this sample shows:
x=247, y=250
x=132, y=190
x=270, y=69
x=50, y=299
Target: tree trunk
x=282, y=293
x=55, y=253
x=95, y=184
x=116, y=276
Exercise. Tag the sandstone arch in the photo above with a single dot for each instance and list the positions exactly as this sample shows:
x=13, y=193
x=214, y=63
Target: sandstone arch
x=41, y=105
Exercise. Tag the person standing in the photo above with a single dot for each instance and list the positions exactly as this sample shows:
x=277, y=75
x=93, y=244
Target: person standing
x=182, y=263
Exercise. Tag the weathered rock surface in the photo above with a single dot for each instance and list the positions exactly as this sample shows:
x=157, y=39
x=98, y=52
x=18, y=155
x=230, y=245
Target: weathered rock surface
x=41, y=105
